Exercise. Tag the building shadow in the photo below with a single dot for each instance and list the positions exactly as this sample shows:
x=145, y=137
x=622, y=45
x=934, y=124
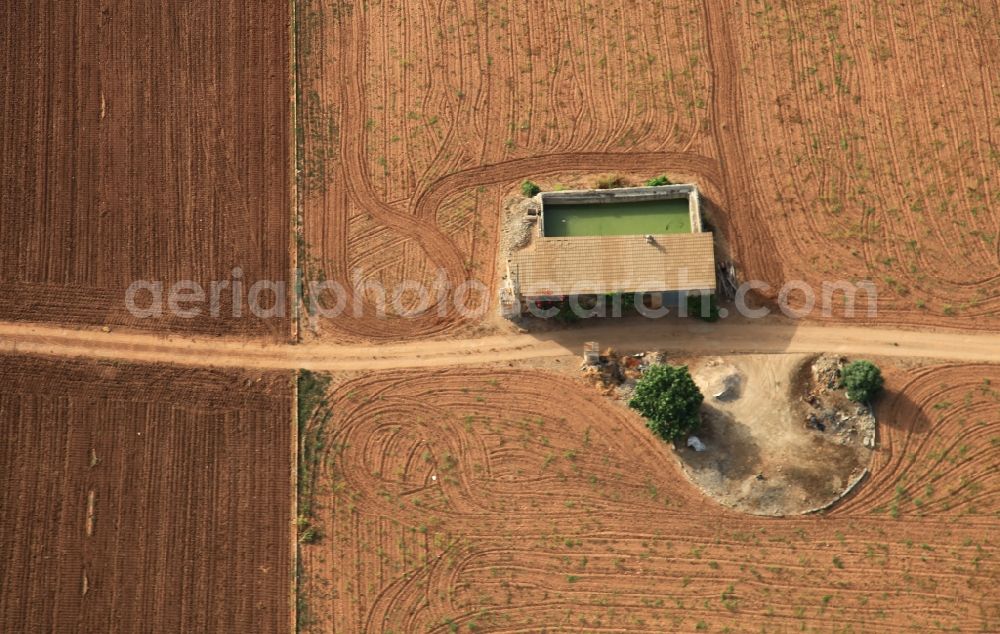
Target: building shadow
x=670, y=333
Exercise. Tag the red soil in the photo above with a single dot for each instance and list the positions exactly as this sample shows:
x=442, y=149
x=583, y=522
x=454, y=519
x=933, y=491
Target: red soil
x=512, y=501
x=143, y=497
x=869, y=137
x=142, y=141
x=833, y=143
x=417, y=121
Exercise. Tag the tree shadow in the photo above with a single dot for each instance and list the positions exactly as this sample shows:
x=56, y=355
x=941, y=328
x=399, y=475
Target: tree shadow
x=731, y=448
x=895, y=411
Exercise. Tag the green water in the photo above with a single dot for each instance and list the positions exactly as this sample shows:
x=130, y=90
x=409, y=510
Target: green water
x=618, y=219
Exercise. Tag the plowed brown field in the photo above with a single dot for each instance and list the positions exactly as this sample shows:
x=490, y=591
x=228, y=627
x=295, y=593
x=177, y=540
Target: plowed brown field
x=514, y=501
x=142, y=141
x=870, y=135
x=416, y=119
x=143, y=498
x=856, y=141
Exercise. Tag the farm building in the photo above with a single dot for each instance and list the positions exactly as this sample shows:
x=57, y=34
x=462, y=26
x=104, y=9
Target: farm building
x=594, y=242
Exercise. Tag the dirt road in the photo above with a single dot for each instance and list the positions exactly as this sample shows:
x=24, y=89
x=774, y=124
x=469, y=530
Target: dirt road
x=627, y=335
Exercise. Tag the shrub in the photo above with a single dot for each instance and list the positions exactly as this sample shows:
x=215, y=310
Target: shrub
x=862, y=379
x=611, y=181
x=566, y=314
x=669, y=399
x=695, y=309
x=658, y=181
x=530, y=188
x=309, y=536
x=627, y=301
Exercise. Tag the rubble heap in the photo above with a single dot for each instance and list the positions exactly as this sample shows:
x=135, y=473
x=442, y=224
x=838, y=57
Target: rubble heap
x=615, y=375
x=830, y=411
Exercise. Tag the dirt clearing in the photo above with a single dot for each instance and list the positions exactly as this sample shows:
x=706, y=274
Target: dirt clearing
x=143, y=497
x=761, y=456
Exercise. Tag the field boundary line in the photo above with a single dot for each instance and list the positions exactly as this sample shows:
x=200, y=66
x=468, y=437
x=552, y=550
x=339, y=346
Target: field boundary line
x=293, y=526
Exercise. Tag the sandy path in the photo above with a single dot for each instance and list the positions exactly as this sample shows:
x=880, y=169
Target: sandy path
x=630, y=335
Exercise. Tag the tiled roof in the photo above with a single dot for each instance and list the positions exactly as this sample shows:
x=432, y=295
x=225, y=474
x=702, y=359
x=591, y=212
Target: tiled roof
x=615, y=264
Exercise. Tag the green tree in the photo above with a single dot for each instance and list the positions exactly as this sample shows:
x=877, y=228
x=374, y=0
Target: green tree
x=669, y=399
x=862, y=379
x=529, y=189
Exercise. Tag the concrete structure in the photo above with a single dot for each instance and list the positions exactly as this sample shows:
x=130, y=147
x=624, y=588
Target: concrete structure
x=554, y=268
x=623, y=195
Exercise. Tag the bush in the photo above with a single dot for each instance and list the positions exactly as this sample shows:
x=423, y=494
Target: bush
x=611, y=181
x=627, y=301
x=669, y=399
x=530, y=189
x=309, y=535
x=658, y=181
x=695, y=308
x=862, y=379
x=566, y=315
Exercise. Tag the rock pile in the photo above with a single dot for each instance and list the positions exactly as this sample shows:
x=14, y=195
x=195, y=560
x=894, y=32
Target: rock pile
x=519, y=221
x=616, y=375
x=830, y=411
